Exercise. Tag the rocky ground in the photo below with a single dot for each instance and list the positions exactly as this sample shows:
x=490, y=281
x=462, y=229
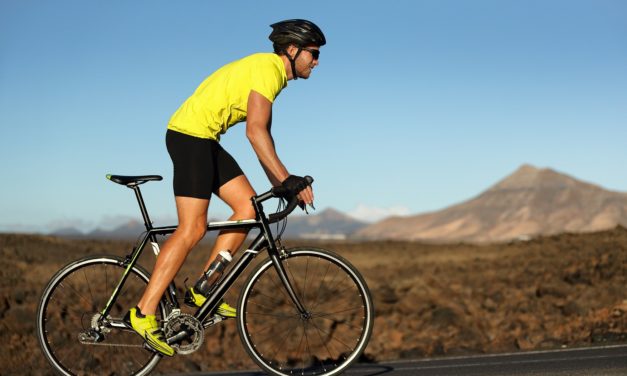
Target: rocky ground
x=431, y=300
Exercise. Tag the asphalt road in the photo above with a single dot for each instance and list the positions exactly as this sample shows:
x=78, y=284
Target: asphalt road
x=598, y=361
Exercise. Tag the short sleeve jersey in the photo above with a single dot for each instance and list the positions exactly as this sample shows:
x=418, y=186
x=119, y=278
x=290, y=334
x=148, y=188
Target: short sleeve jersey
x=221, y=100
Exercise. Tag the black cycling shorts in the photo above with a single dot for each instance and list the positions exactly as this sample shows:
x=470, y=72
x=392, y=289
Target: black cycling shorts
x=201, y=166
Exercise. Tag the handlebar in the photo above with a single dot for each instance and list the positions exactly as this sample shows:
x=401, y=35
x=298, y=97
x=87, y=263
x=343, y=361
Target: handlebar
x=292, y=201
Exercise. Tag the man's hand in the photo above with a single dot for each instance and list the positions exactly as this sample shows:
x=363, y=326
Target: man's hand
x=298, y=186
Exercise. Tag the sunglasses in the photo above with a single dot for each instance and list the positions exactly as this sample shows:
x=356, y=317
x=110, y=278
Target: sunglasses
x=314, y=53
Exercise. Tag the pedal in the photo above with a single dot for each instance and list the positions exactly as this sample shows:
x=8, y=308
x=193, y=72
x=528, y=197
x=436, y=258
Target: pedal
x=213, y=320
x=145, y=346
x=217, y=318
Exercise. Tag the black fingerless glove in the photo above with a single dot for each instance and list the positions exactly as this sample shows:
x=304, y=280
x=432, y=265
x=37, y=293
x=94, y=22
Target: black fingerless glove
x=294, y=184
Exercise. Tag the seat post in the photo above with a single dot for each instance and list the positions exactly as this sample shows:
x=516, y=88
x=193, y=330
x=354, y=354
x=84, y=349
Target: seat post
x=142, y=206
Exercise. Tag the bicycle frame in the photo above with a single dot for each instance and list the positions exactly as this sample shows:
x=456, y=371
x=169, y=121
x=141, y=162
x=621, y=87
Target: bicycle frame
x=263, y=240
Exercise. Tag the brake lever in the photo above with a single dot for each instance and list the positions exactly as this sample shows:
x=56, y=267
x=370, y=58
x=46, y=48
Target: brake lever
x=303, y=206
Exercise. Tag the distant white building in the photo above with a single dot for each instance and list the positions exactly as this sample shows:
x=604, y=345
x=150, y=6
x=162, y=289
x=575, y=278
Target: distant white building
x=322, y=236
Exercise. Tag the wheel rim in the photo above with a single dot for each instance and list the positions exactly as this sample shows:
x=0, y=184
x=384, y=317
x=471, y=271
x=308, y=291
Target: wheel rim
x=70, y=304
x=326, y=338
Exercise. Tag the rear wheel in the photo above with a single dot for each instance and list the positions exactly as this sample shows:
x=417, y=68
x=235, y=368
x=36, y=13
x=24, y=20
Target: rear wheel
x=324, y=340
x=74, y=336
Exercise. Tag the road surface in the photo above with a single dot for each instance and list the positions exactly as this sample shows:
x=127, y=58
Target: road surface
x=597, y=361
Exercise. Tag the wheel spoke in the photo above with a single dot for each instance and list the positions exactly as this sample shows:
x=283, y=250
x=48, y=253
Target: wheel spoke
x=322, y=341
x=60, y=320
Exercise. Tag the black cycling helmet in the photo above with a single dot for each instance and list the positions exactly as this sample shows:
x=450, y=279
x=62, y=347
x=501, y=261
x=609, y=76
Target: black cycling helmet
x=301, y=33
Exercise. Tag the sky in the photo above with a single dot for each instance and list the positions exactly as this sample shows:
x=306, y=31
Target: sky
x=415, y=106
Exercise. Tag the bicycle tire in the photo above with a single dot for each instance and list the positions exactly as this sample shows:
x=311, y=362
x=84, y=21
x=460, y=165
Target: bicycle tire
x=284, y=342
x=73, y=299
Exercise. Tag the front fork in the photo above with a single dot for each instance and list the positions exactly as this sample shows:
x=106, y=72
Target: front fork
x=280, y=269
x=275, y=257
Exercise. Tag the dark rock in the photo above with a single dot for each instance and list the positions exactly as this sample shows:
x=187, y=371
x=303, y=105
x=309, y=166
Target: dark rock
x=413, y=353
x=571, y=308
x=443, y=317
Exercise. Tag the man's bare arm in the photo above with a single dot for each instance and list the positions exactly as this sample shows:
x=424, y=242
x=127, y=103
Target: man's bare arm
x=258, y=133
x=258, y=125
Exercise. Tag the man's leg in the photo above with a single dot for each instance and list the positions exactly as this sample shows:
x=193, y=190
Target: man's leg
x=236, y=193
x=192, y=214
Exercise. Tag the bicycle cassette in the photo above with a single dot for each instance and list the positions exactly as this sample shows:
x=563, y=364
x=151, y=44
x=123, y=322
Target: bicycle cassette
x=186, y=332
x=100, y=324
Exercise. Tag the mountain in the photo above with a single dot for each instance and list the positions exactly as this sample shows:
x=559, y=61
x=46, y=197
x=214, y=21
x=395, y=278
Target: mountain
x=129, y=230
x=328, y=224
x=529, y=202
x=68, y=232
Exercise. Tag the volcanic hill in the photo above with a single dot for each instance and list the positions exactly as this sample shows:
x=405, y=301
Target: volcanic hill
x=529, y=202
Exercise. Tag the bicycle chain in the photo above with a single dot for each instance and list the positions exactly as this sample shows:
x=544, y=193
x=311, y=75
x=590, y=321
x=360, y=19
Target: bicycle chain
x=109, y=344
x=175, y=322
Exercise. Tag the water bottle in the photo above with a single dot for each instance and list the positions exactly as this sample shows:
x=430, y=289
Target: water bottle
x=214, y=272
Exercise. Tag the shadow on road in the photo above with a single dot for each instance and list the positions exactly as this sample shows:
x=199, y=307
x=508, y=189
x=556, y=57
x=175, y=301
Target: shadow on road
x=369, y=369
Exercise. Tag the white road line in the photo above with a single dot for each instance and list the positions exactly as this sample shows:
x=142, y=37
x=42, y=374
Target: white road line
x=475, y=360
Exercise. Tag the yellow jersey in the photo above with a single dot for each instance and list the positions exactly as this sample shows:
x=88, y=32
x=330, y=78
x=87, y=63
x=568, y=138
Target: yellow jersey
x=221, y=100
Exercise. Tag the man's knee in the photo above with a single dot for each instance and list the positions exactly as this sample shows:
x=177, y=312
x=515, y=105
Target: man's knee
x=193, y=232
x=245, y=211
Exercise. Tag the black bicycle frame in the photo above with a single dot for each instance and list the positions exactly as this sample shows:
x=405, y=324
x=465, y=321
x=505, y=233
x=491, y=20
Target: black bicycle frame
x=263, y=240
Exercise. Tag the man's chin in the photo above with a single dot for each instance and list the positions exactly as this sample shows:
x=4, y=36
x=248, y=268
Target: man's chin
x=305, y=75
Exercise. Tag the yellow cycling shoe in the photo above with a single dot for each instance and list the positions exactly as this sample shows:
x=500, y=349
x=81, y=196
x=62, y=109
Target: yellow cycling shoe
x=196, y=299
x=147, y=327
x=226, y=310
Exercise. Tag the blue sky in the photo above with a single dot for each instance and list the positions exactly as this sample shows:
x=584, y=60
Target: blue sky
x=415, y=106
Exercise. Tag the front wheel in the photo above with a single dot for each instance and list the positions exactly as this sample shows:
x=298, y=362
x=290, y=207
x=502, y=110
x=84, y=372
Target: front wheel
x=74, y=336
x=325, y=339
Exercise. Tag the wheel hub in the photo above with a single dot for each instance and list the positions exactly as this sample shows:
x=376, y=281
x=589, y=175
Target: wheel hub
x=99, y=323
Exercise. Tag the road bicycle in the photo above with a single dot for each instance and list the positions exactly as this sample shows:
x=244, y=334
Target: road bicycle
x=302, y=310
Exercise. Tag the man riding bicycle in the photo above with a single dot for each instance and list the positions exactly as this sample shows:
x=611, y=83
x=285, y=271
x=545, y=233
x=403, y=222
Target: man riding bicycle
x=242, y=90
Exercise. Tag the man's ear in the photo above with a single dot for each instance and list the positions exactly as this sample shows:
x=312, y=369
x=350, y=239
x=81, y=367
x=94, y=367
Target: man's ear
x=291, y=50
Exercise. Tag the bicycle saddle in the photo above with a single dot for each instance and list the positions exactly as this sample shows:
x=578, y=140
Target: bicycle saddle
x=131, y=181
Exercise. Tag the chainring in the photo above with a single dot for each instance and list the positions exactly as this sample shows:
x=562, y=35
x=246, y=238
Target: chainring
x=189, y=324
